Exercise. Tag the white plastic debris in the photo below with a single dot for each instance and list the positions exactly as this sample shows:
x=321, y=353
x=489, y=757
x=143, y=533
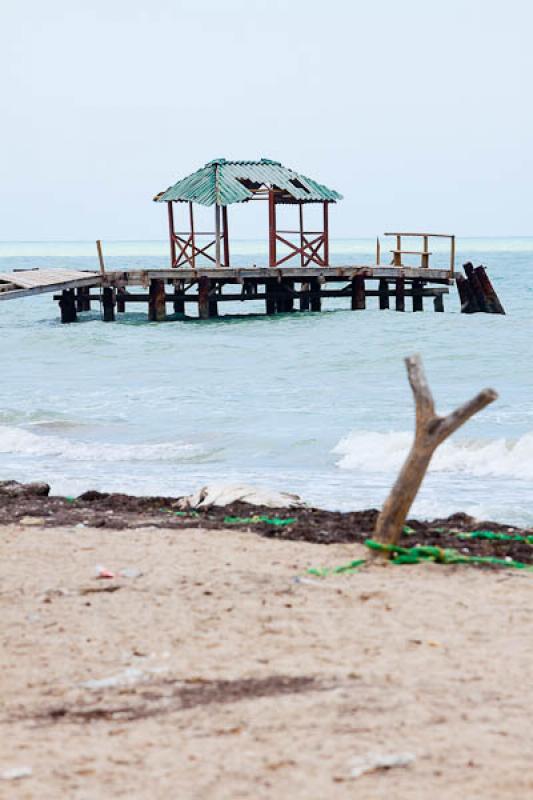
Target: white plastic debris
x=223, y=494
x=130, y=676
x=16, y=773
x=371, y=762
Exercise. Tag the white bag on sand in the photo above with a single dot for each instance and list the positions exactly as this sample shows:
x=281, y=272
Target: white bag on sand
x=223, y=494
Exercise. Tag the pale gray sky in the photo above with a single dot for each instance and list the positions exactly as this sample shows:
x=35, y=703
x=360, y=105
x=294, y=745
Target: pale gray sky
x=418, y=111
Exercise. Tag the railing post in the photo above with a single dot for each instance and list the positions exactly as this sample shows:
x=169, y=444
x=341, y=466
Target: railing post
x=271, y=228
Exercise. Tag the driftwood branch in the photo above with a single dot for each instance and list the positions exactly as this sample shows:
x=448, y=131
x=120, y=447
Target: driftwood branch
x=430, y=431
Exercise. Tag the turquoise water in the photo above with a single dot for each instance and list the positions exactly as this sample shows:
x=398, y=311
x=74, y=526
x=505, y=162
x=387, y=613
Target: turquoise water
x=317, y=404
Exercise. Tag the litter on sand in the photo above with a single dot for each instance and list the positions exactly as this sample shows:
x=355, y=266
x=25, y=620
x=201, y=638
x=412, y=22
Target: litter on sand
x=372, y=762
x=224, y=494
x=277, y=521
x=16, y=773
x=130, y=676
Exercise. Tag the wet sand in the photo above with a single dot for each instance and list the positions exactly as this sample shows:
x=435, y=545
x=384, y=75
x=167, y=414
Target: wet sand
x=218, y=675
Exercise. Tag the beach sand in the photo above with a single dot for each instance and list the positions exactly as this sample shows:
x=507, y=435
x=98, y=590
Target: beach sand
x=231, y=680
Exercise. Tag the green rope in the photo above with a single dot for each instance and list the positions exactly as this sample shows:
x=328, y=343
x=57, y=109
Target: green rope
x=259, y=518
x=493, y=536
x=179, y=513
x=420, y=554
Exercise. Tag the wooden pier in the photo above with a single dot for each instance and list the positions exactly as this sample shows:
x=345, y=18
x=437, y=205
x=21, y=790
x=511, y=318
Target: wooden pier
x=298, y=276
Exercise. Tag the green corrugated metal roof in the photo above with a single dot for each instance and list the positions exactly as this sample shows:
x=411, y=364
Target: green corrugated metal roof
x=220, y=181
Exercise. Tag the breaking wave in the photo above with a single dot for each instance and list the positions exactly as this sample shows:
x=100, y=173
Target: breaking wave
x=23, y=442
x=384, y=452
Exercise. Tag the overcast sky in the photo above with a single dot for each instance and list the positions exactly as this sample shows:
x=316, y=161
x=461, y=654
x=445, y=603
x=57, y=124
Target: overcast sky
x=419, y=112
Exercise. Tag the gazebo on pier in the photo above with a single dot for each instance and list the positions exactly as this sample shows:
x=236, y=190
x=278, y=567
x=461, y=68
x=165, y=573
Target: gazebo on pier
x=221, y=183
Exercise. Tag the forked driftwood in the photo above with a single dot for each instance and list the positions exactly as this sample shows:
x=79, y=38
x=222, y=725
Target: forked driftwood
x=430, y=431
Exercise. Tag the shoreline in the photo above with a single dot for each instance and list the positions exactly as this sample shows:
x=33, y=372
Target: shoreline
x=30, y=505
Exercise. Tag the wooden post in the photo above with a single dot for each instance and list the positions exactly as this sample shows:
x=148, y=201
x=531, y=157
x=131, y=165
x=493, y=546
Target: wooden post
x=378, y=252
x=121, y=302
x=316, y=301
x=397, y=256
x=271, y=293
x=418, y=300
x=100, y=256
x=108, y=304
x=400, y=294
x=213, y=305
x=424, y=260
x=156, y=300
x=304, y=296
x=288, y=299
x=431, y=430
x=383, y=293
x=475, y=286
x=217, y=235
x=67, y=306
x=492, y=301
x=438, y=302
x=203, y=297
x=326, y=233
x=171, y=234
x=192, y=235
x=179, y=303
x=82, y=304
x=466, y=296
x=271, y=228
x=358, y=293
x=452, y=256
x=225, y=235
x=301, y=219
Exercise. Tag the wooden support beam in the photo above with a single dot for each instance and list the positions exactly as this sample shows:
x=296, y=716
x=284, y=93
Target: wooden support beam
x=466, y=296
x=492, y=301
x=271, y=293
x=286, y=295
x=178, y=303
x=213, y=305
x=108, y=304
x=67, y=306
x=438, y=302
x=358, y=293
x=203, y=297
x=305, y=297
x=156, y=301
x=316, y=302
x=418, y=301
x=400, y=294
x=83, y=298
x=383, y=293
x=475, y=286
x=121, y=300
x=171, y=234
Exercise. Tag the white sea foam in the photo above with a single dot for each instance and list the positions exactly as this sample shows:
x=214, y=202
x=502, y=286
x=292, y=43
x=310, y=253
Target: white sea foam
x=25, y=443
x=385, y=452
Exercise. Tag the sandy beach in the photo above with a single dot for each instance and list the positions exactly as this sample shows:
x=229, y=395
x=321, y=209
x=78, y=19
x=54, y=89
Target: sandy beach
x=208, y=670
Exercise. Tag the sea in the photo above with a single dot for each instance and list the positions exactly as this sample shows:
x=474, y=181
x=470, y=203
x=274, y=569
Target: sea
x=313, y=403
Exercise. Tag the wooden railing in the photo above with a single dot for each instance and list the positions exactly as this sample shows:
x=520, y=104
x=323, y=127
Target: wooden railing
x=424, y=252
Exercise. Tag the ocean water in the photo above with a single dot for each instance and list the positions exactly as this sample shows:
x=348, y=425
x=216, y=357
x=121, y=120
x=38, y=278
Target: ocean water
x=316, y=404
